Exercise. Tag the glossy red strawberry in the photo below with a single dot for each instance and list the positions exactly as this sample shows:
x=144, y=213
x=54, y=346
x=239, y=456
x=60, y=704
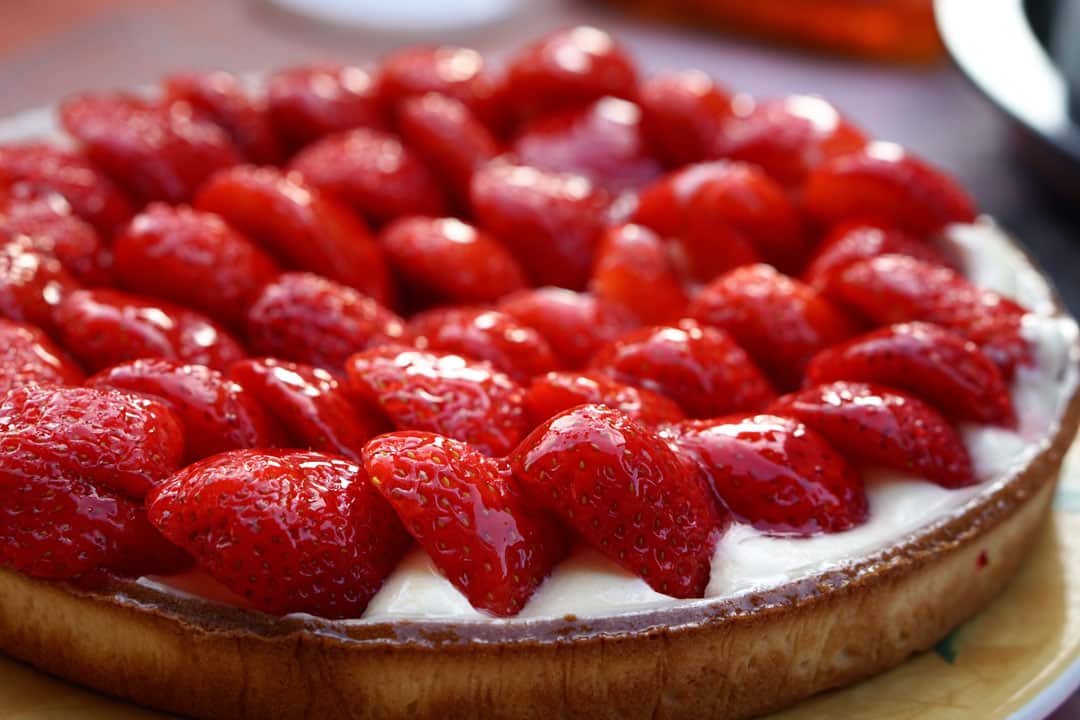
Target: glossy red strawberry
x=626, y=493
x=63, y=528
x=447, y=260
x=602, y=141
x=32, y=285
x=551, y=222
x=91, y=194
x=787, y=137
x=106, y=438
x=554, y=392
x=468, y=513
x=301, y=226
x=750, y=202
x=216, y=413
x=309, y=102
x=775, y=473
x=568, y=67
x=700, y=368
x=861, y=240
x=107, y=327
x=310, y=403
x=43, y=221
x=575, y=324
x=938, y=366
x=515, y=349
x=455, y=73
x=634, y=269
x=449, y=138
x=192, y=258
x=725, y=215
x=221, y=98
x=885, y=427
x=309, y=319
x=464, y=399
x=319, y=540
x=895, y=288
x=887, y=183
x=156, y=152
x=373, y=172
x=28, y=355
x=682, y=115
x=780, y=321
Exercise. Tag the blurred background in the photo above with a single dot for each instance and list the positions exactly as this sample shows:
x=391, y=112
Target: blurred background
x=883, y=63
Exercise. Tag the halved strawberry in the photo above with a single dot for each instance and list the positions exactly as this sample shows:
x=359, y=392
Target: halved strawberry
x=575, y=324
x=517, y=350
x=744, y=198
x=468, y=513
x=631, y=258
x=61, y=527
x=373, y=172
x=551, y=222
x=91, y=194
x=775, y=473
x=305, y=228
x=882, y=426
x=312, y=405
x=192, y=258
x=157, y=152
x=43, y=221
x=721, y=203
x=449, y=138
x=289, y=531
x=896, y=288
x=601, y=141
x=787, y=137
x=566, y=68
x=106, y=438
x=445, y=259
x=885, y=182
x=780, y=321
x=106, y=327
x=927, y=360
x=700, y=368
x=216, y=413
x=626, y=493
x=28, y=355
x=32, y=285
x=860, y=240
x=682, y=115
x=311, y=101
x=224, y=101
x=310, y=319
x=446, y=394
x=550, y=394
x=456, y=73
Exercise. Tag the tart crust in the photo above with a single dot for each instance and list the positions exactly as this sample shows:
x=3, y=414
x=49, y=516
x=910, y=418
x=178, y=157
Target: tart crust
x=728, y=658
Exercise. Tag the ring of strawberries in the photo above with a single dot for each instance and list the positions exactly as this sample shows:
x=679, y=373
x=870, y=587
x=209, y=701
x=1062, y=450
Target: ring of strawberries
x=276, y=334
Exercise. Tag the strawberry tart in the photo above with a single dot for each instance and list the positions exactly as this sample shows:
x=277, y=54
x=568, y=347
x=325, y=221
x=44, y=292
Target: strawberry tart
x=435, y=390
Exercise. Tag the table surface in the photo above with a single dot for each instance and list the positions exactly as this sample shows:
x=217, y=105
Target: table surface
x=50, y=48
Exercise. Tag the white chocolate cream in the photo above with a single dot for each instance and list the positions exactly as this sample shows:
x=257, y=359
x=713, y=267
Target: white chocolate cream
x=588, y=585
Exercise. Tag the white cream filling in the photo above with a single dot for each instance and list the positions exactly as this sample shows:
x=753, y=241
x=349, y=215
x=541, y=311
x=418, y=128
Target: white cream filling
x=589, y=585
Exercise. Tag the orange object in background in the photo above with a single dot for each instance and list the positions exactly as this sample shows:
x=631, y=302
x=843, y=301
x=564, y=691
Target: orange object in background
x=902, y=30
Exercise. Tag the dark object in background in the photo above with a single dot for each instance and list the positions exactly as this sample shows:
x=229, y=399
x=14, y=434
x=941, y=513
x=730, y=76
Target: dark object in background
x=1024, y=55
x=897, y=30
x=1057, y=26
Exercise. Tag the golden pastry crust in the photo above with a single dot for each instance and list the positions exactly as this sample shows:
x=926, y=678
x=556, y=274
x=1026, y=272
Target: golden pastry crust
x=729, y=658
